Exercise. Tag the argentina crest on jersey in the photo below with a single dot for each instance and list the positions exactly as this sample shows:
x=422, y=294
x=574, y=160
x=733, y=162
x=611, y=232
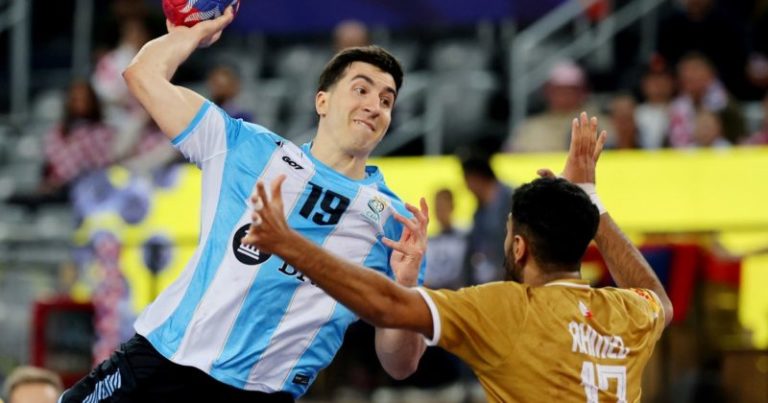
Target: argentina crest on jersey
x=376, y=206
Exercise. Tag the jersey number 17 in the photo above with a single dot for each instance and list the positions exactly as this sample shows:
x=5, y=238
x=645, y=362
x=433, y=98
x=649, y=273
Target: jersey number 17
x=603, y=373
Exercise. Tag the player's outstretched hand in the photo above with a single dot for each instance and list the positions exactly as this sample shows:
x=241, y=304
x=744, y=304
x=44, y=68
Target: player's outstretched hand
x=409, y=251
x=206, y=32
x=269, y=231
x=583, y=153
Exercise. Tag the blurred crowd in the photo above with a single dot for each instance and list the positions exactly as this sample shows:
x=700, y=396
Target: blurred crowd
x=702, y=87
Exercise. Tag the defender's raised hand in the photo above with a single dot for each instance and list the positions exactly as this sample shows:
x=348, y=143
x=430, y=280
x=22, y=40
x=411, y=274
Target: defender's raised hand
x=584, y=151
x=409, y=251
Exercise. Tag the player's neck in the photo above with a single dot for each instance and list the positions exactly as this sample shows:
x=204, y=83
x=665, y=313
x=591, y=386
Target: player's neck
x=538, y=278
x=346, y=164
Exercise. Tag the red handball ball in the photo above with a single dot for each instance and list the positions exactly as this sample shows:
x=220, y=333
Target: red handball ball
x=190, y=12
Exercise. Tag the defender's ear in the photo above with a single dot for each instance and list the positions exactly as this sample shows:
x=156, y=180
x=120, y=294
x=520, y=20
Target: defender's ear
x=519, y=249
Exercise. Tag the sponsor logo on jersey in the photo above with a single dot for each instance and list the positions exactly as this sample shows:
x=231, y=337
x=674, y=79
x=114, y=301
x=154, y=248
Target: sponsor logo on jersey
x=245, y=254
x=301, y=379
x=293, y=164
x=375, y=207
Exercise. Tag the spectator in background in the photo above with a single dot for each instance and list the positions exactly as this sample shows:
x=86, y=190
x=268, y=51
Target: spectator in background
x=652, y=115
x=149, y=151
x=626, y=131
x=700, y=90
x=445, y=255
x=566, y=95
x=32, y=385
x=349, y=34
x=484, y=260
x=757, y=65
x=760, y=137
x=708, y=131
x=80, y=143
x=700, y=26
x=107, y=79
x=139, y=145
x=224, y=86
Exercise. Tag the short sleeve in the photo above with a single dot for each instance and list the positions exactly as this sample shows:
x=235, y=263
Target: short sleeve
x=478, y=324
x=212, y=132
x=651, y=305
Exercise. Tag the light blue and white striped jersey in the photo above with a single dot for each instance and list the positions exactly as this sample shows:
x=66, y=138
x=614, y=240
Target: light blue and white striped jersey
x=245, y=317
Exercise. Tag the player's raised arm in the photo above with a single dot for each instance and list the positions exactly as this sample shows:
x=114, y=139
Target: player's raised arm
x=149, y=75
x=626, y=264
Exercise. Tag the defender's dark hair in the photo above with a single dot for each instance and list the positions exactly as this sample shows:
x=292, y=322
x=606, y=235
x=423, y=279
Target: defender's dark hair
x=557, y=219
x=373, y=55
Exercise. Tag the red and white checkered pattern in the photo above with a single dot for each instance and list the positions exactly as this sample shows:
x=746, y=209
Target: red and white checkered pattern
x=88, y=147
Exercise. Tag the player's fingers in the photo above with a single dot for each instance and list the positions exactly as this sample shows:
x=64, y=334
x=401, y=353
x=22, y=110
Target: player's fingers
x=546, y=173
x=592, y=132
x=277, y=196
x=257, y=203
x=424, y=209
x=574, y=134
x=409, y=224
x=389, y=243
x=398, y=246
x=217, y=24
x=583, y=135
x=263, y=195
x=600, y=144
x=248, y=239
x=418, y=215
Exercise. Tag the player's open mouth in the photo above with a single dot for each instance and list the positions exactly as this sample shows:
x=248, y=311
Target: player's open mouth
x=366, y=124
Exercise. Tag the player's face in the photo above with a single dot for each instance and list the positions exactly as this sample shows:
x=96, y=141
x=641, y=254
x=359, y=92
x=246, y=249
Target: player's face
x=358, y=108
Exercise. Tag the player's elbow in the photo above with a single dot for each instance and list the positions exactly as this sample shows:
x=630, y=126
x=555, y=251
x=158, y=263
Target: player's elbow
x=140, y=79
x=403, y=370
x=669, y=311
x=133, y=78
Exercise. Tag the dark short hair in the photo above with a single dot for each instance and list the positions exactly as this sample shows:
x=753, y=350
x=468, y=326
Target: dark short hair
x=373, y=55
x=557, y=219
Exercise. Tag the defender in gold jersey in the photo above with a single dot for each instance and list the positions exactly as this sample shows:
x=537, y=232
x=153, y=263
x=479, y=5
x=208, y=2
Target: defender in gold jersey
x=545, y=336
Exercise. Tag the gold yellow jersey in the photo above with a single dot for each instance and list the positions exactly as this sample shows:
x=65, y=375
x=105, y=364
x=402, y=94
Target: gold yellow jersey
x=562, y=342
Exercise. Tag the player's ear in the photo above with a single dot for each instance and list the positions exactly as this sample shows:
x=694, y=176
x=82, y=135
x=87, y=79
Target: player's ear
x=519, y=248
x=321, y=103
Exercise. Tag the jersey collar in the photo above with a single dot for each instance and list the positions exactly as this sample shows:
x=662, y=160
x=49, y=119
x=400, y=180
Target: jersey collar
x=572, y=283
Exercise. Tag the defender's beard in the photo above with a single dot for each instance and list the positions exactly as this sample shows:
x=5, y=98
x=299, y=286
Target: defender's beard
x=514, y=271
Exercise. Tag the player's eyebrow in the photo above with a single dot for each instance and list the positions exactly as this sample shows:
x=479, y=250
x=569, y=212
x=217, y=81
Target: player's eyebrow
x=370, y=81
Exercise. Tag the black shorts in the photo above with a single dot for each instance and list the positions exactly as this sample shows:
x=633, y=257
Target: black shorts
x=138, y=373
